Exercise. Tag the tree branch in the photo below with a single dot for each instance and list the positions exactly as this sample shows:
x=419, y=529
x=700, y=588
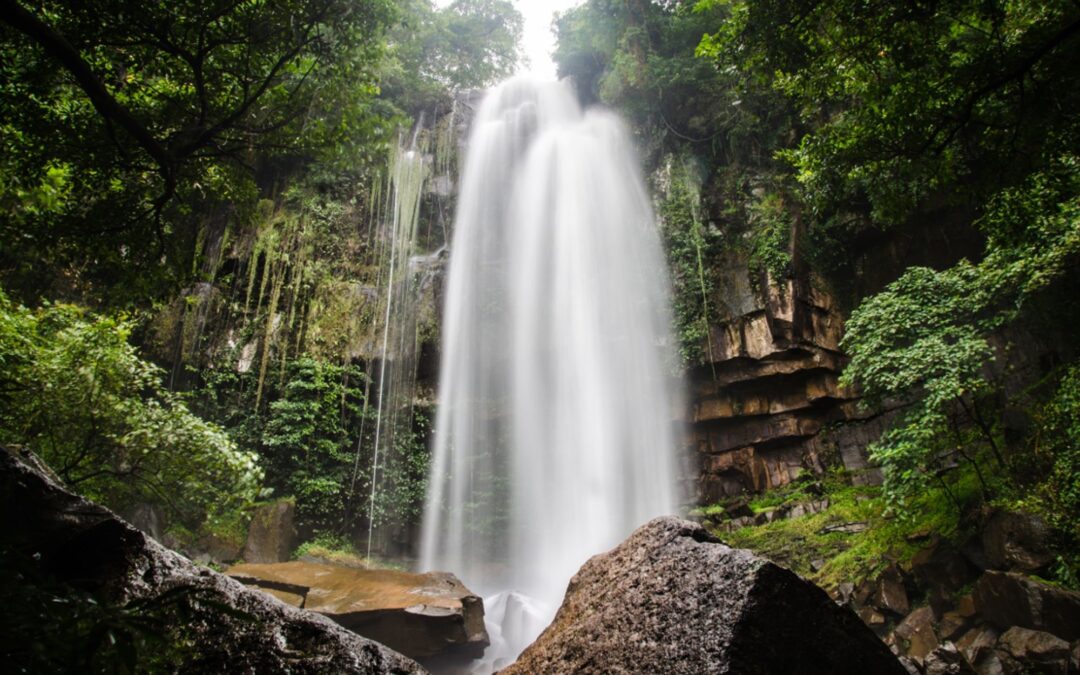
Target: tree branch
x=26, y=22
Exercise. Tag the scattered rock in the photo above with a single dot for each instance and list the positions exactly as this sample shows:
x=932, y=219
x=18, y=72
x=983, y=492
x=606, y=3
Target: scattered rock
x=673, y=599
x=965, y=606
x=871, y=617
x=990, y=662
x=87, y=546
x=942, y=566
x=1009, y=599
x=947, y=660
x=952, y=625
x=972, y=548
x=1036, y=647
x=419, y=615
x=1016, y=541
x=977, y=641
x=890, y=593
x=271, y=536
x=909, y=666
x=845, y=592
x=844, y=528
x=917, y=630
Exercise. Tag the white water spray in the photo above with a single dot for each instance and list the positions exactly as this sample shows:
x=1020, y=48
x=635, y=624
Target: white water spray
x=554, y=435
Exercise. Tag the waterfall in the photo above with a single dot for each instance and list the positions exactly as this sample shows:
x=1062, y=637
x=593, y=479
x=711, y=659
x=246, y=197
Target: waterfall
x=554, y=436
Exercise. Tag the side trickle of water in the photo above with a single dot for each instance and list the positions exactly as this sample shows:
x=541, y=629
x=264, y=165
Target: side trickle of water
x=396, y=373
x=554, y=436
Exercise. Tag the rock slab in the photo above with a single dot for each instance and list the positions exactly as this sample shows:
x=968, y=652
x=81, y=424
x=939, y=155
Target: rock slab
x=419, y=615
x=238, y=630
x=674, y=599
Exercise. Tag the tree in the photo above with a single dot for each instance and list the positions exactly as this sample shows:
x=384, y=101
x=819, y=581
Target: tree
x=927, y=338
x=469, y=44
x=75, y=392
x=137, y=117
x=905, y=102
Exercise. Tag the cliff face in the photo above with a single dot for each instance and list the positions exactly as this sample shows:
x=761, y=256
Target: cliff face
x=768, y=404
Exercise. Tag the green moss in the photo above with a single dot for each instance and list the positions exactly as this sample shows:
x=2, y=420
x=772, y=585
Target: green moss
x=340, y=551
x=712, y=510
x=797, y=543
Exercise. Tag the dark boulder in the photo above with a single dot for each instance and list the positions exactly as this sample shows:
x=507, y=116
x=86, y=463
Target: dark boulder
x=1007, y=599
x=1016, y=541
x=890, y=592
x=947, y=660
x=917, y=634
x=230, y=628
x=941, y=569
x=674, y=599
x=271, y=535
x=1035, y=651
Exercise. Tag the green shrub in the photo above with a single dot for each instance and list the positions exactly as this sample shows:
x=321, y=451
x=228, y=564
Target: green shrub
x=75, y=391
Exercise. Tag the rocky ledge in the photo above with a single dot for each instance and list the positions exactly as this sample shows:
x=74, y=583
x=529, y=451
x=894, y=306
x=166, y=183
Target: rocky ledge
x=236, y=629
x=674, y=599
x=419, y=615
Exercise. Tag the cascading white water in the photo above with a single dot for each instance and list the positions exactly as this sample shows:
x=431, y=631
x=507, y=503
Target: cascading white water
x=554, y=435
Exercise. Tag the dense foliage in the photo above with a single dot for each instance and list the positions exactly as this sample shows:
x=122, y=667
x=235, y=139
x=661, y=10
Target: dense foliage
x=76, y=392
x=124, y=125
x=212, y=179
x=126, y=128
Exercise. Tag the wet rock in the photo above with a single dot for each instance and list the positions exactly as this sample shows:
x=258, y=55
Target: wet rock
x=890, y=593
x=87, y=546
x=965, y=606
x=871, y=617
x=977, y=641
x=952, y=625
x=845, y=593
x=673, y=599
x=1008, y=599
x=972, y=548
x=1033, y=647
x=1016, y=541
x=271, y=536
x=991, y=662
x=419, y=615
x=942, y=566
x=947, y=660
x=917, y=632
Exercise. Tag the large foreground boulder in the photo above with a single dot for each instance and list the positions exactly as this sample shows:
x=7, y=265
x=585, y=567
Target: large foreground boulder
x=673, y=599
x=419, y=615
x=226, y=628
